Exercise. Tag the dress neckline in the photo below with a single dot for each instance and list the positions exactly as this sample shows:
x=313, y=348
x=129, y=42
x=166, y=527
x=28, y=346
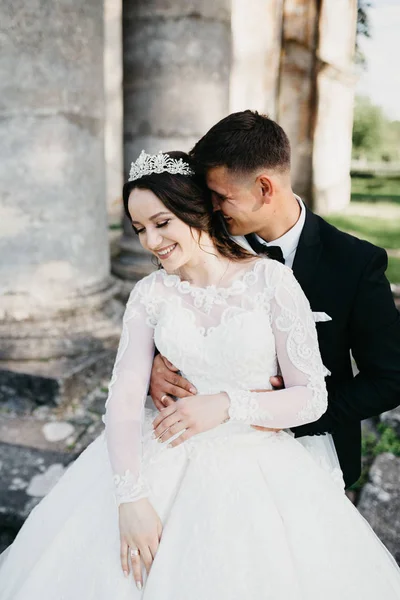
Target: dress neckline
x=238, y=283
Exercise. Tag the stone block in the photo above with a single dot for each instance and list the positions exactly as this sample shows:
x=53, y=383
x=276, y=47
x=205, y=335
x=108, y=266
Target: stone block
x=50, y=435
x=176, y=80
x=213, y=10
x=52, y=56
x=26, y=476
x=332, y=140
x=256, y=43
x=380, y=501
x=26, y=385
x=53, y=220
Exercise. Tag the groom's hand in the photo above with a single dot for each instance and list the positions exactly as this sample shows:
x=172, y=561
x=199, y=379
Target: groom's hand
x=165, y=382
x=277, y=384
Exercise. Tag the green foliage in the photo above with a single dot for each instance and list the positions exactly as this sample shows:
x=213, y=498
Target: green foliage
x=368, y=127
x=375, y=137
x=363, y=29
x=388, y=442
x=368, y=444
x=371, y=447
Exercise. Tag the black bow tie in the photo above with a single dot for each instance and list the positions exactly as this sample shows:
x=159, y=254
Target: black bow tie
x=274, y=252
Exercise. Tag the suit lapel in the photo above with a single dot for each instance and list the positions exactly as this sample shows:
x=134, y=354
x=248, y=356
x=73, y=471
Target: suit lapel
x=308, y=252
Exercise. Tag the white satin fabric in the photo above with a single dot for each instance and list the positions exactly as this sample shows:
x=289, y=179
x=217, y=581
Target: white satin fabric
x=246, y=514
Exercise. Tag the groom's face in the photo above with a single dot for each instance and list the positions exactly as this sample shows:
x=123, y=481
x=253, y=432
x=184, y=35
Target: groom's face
x=238, y=198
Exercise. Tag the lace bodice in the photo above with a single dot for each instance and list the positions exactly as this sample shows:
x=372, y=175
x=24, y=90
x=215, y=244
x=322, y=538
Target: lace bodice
x=228, y=339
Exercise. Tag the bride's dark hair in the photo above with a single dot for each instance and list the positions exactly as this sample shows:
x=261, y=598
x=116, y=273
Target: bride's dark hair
x=189, y=199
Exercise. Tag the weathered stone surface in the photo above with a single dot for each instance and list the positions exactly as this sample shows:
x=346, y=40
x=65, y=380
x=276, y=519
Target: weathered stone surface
x=256, y=43
x=56, y=296
x=335, y=84
x=26, y=475
x=36, y=449
x=315, y=97
x=380, y=501
x=113, y=126
x=333, y=141
x=296, y=99
x=43, y=435
x=176, y=79
x=51, y=58
x=206, y=9
x=58, y=316
x=25, y=385
x=177, y=58
x=51, y=155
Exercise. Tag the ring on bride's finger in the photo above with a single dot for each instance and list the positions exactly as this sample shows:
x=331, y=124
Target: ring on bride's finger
x=163, y=396
x=134, y=552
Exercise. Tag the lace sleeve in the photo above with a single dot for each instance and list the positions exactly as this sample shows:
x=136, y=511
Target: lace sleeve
x=127, y=394
x=304, y=398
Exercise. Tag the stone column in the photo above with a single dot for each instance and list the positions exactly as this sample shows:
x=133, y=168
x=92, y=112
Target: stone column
x=176, y=85
x=335, y=83
x=316, y=87
x=113, y=130
x=56, y=295
x=256, y=43
x=296, y=92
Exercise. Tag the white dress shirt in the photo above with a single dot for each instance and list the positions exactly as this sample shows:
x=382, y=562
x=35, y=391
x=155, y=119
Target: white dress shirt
x=289, y=241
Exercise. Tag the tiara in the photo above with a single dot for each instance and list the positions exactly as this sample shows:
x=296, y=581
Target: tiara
x=147, y=164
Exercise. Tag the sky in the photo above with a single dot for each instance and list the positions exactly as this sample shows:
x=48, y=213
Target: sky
x=381, y=80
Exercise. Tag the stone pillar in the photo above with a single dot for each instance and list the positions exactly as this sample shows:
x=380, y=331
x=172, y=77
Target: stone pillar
x=113, y=130
x=256, y=43
x=335, y=83
x=296, y=92
x=315, y=105
x=56, y=298
x=176, y=86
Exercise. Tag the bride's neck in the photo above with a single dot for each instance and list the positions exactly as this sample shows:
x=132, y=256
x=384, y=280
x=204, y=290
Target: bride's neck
x=206, y=267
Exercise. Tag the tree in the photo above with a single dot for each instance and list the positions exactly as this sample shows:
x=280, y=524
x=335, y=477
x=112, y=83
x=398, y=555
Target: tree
x=363, y=28
x=368, y=129
x=375, y=137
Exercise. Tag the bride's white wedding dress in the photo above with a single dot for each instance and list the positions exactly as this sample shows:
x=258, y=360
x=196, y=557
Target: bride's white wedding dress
x=247, y=515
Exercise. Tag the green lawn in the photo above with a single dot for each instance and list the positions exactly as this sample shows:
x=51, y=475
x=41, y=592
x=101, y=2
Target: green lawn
x=373, y=188
x=374, y=215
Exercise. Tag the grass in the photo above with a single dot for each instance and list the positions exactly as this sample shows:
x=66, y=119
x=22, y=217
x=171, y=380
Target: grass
x=374, y=215
x=375, y=188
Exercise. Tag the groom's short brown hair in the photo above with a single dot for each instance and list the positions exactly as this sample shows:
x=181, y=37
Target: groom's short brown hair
x=243, y=142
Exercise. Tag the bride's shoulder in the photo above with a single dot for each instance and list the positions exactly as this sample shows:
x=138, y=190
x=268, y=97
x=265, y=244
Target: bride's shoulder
x=273, y=267
x=275, y=274
x=148, y=285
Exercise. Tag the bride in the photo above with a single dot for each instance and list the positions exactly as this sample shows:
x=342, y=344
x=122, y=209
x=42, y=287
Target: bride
x=194, y=502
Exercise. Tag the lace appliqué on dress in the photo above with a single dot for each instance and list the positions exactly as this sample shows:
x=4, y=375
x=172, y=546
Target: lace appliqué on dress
x=302, y=344
x=129, y=488
x=291, y=316
x=245, y=407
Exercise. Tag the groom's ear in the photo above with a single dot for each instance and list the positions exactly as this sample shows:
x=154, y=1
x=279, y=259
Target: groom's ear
x=266, y=188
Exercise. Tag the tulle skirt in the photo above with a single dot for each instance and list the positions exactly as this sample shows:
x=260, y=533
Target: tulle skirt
x=247, y=515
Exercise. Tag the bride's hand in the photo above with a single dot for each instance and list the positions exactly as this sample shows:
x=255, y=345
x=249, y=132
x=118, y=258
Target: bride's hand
x=140, y=528
x=191, y=415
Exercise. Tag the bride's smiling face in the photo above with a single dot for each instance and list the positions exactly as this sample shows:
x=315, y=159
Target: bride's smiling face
x=161, y=232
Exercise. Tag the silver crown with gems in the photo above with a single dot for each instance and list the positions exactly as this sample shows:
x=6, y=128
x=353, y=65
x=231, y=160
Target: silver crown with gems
x=147, y=164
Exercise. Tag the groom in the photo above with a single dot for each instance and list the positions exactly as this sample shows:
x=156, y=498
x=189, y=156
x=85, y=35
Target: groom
x=246, y=160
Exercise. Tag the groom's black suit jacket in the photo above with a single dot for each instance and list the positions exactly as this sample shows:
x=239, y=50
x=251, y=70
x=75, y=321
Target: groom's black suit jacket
x=345, y=278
